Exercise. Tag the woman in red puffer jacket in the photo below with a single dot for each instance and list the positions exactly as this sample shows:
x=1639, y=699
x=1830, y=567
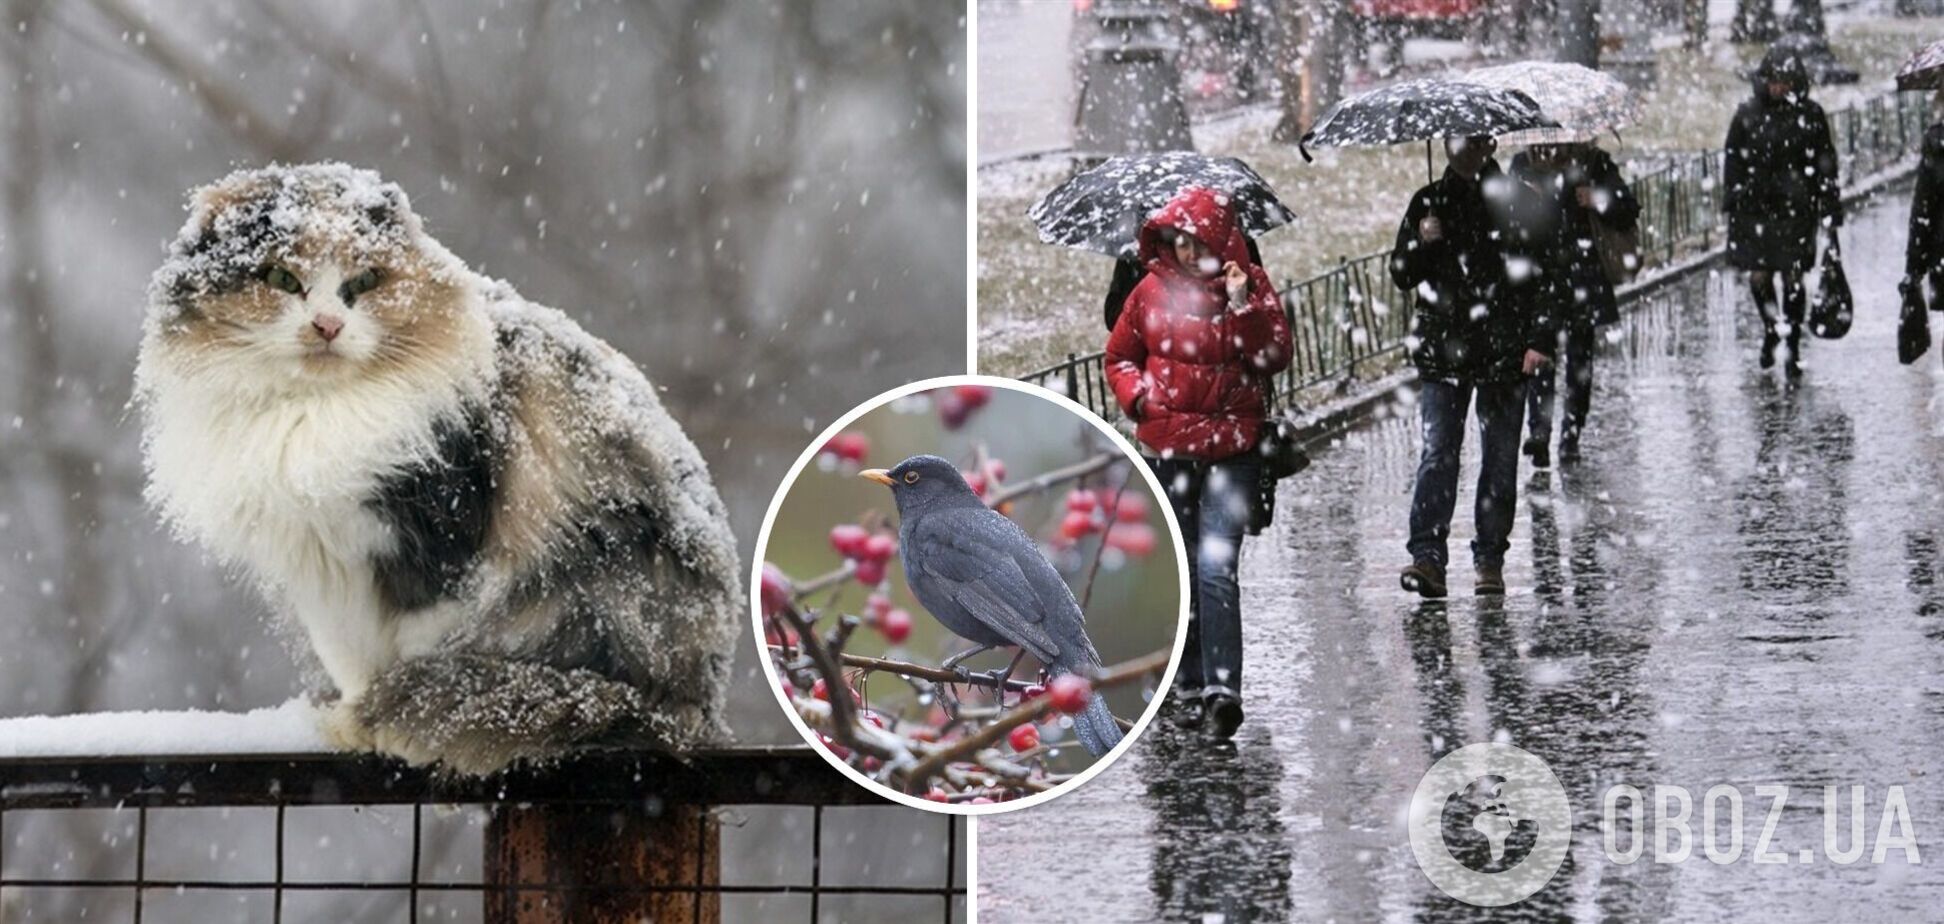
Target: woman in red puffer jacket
x=1189, y=361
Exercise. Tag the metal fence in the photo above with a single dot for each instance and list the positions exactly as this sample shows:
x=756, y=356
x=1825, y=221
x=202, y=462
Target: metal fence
x=748, y=834
x=1351, y=319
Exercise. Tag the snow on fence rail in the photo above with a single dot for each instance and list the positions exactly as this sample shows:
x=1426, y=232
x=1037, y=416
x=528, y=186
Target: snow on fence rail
x=738, y=834
x=1349, y=318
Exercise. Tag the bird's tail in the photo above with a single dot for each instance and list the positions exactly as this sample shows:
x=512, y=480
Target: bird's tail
x=1095, y=726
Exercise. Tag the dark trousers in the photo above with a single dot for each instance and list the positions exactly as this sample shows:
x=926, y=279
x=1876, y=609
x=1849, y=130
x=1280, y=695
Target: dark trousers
x=1212, y=502
x=1542, y=391
x=1442, y=407
x=1795, y=305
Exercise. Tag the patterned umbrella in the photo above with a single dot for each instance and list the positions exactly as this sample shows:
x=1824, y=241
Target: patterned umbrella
x=1924, y=70
x=1103, y=209
x=1585, y=102
x=1419, y=110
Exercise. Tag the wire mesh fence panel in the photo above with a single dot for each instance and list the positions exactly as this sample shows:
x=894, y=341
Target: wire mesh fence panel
x=771, y=835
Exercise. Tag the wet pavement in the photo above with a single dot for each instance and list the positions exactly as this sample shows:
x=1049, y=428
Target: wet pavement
x=1740, y=585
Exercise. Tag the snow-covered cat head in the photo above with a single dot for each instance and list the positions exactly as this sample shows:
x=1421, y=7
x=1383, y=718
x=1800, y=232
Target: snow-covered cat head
x=292, y=279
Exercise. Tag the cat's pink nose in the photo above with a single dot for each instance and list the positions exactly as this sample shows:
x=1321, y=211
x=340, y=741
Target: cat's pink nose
x=327, y=326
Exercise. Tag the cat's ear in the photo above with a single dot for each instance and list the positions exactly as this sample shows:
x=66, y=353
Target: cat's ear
x=208, y=204
x=391, y=211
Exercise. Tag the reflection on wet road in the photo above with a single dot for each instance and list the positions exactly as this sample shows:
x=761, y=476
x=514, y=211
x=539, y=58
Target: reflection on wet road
x=1741, y=585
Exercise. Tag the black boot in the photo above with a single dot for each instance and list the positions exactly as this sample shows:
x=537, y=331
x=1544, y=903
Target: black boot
x=1225, y=715
x=1535, y=446
x=1769, y=343
x=1424, y=577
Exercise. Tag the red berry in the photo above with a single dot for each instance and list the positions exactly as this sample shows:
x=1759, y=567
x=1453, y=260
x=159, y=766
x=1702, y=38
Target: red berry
x=936, y=795
x=1132, y=538
x=849, y=445
x=877, y=605
x=820, y=690
x=981, y=801
x=1080, y=501
x=977, y=483
x=896, y=626
x=776, y=590
x=1032, y=691
x=870, y=571
x=1070, y=693
x=849, y=539
x=951, y=409
x=974, y=396
x=998, y=469
x=879, y=548
x=843, y=753
x=1023, y=738
x=1076, y=525
x=1133, y=505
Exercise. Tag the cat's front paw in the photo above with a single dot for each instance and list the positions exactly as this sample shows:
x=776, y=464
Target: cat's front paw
x=343, y=728
x=403, y=744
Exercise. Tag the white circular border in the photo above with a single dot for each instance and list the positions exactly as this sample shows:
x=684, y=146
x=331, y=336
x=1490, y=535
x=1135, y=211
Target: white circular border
x=811, y=737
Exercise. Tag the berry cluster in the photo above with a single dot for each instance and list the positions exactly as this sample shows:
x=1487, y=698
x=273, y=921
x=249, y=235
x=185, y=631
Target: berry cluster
x=869, y=553
x=957, y=403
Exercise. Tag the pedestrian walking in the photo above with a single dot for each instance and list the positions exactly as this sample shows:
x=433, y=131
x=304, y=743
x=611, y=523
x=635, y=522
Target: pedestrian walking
x=1595, y=213
x=1189, y=361
x=1781, y=194
x=1923, y=279
x=1479, y=330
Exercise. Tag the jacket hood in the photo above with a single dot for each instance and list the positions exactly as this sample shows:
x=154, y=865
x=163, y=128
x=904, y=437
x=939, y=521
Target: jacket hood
x=1202, y=212
x=1781, y=64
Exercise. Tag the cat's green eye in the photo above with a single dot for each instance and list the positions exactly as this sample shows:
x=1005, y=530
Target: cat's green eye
x=362, y=283
x=284, y=280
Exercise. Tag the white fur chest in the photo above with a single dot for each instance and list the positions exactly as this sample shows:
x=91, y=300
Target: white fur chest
x=278, y=485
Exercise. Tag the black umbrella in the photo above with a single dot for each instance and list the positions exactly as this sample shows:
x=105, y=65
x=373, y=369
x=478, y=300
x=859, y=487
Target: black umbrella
x=1924, y=70
x=1420, y=110
x=1103, y=209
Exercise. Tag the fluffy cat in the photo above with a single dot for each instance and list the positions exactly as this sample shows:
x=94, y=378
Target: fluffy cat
x=496, y=541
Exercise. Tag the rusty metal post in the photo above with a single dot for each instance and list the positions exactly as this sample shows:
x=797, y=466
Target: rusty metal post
x=589, y=863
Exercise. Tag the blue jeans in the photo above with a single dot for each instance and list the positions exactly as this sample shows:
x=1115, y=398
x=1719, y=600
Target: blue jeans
x=1212, y=501
x=1501, y=412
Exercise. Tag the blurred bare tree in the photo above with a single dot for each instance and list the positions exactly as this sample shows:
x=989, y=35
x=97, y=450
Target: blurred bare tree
x=761, y=202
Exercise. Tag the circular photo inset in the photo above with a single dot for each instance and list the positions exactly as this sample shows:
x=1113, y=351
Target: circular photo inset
x=971, y=592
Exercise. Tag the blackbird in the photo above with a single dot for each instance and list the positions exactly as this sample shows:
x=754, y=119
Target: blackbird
x=984, y=578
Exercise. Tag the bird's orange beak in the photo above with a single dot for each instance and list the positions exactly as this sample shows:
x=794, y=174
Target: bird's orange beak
x=878, y=475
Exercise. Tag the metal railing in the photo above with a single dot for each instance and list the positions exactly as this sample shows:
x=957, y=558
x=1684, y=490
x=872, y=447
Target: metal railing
x=619, y=837
x=1351, y=319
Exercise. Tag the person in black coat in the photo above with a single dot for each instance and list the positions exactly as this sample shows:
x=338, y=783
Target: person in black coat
x=1476, y=250
x=1782, y=190
x=1583, y=186
x=1924, y=253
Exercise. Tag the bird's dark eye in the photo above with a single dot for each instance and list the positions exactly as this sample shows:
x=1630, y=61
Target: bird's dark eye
x=283, y=280
x=911, y=477
x=359, y=285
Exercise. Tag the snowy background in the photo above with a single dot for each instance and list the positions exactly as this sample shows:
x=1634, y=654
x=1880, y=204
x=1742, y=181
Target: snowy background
x=762, y=203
